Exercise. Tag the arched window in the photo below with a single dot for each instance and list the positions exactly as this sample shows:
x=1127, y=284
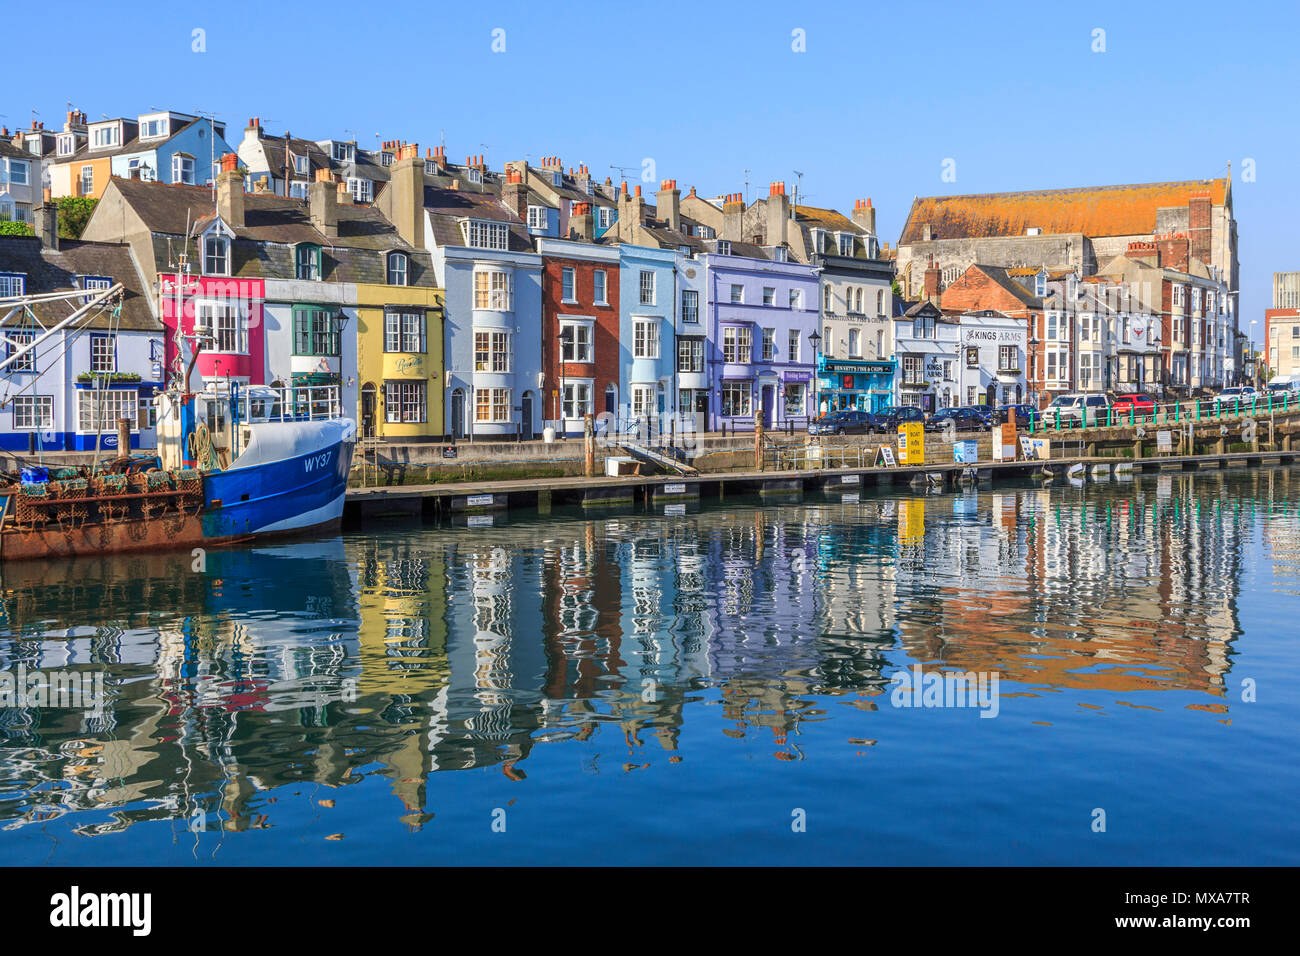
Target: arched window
x=397, y=270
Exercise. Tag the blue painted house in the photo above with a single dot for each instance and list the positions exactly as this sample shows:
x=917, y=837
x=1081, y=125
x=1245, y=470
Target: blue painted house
x=173, y=148
x=647, y=309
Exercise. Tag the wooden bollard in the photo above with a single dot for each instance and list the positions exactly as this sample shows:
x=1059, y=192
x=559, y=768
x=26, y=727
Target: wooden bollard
x=588, y=446
x=124, y=436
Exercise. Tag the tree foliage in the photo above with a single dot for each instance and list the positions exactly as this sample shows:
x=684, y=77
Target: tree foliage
x=12, y=227
x=74, y=213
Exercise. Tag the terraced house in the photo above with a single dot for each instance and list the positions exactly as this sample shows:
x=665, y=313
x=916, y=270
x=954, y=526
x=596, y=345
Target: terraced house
x=271, y=283
x=164, y=147
x=491, y=278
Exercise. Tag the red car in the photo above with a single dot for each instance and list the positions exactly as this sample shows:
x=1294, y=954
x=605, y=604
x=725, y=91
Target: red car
x=1139, y=403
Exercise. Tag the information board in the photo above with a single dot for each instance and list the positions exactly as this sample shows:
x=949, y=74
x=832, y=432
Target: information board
x=911, y=443
x=885, y=454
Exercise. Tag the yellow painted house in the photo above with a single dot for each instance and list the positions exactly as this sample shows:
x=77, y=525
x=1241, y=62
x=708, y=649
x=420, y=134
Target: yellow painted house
x=399, y=356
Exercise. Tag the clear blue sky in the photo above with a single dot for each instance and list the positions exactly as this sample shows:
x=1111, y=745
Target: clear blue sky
x=882, y=96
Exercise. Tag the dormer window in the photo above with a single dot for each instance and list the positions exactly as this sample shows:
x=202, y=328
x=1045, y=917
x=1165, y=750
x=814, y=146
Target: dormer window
x=153, y=128
x=818, y=240
x=846, y=244
x=591, y=188
x=397, y=268
x=12, y=284
x=557, y=179
x=475, y=175
x=536, y=217
x=216, y=251
x=67, y=144
x=307, y=260
x=94, y=284
x=343, y=152
x=486, y=235
x=300, y=164
x=104, y=137
x=385, y=158
x=34, y=145
x=724, y=247
x=430, y=168
x=1040, y=284
x=779, y=254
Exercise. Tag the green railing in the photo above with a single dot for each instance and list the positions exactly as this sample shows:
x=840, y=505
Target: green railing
x=1172, y=413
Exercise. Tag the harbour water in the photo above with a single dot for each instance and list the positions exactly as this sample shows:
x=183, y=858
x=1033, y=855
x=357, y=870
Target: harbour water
x=715, y=686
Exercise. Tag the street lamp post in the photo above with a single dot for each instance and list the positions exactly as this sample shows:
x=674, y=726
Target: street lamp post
x=1254, y=354
x=815, y=340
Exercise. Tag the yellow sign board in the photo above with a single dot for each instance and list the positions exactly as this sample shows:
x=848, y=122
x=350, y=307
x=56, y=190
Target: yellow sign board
x=911, y=521
x=911, y=443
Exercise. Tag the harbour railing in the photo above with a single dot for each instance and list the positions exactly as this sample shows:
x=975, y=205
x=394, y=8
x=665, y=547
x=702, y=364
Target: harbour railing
x=1172, y=413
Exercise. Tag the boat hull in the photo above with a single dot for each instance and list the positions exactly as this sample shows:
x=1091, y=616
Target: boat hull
x=297, y=495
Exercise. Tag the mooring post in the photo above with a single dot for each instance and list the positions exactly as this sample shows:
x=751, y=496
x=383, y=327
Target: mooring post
x=588, y=446
x=124, y=436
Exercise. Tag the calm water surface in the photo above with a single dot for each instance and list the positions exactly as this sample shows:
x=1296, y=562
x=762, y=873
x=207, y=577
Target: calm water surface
x=637, y=687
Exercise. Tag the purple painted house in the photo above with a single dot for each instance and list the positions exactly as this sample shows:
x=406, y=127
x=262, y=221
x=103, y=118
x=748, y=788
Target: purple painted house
x=760, y=314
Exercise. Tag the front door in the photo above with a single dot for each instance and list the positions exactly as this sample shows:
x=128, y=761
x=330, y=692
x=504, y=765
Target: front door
x=526, y=417
x=769, y=405
x=368, y=410
x=458, y=413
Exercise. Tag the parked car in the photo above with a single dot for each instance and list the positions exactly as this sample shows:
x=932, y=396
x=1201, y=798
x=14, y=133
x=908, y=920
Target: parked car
x=888, y=419
x=1076, y=409
x=843, y=422
x=1234, y=396
x=1021, y=413
x=1139, y=403
x=966, y=418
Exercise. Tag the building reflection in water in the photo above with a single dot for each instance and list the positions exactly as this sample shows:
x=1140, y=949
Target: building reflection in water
x=399, y=653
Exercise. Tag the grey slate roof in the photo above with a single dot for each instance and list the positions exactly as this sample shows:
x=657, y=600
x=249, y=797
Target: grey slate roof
x=273, y=226
x=50, y=270
x=446, y=207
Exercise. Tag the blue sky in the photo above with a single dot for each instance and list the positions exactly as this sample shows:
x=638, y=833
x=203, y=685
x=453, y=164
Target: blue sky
x=882, y=95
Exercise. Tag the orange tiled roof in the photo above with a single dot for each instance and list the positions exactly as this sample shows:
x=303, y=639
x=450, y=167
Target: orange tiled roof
x=1093, y=210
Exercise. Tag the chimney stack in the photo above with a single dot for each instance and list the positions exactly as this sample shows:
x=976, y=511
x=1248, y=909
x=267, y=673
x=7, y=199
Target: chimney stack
x=1173, y=251
x=230, y=192
x=47, y=225
x=581, y=225
x=931, y=288
x=1147, y=253
x=669, y=199
x=733, y=216
x=407, y=183
x=864, y=214
x=1199, y=230
x=514, y=193
x=323, y=204
x=778, y=215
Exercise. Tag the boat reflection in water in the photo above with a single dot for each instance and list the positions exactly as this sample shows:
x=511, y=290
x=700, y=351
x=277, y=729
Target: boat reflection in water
x=401, y=653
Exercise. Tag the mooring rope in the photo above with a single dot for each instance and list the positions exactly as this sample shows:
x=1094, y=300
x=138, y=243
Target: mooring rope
x=201, y=448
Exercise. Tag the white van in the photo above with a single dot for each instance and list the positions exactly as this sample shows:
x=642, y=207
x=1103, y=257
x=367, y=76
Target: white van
x=1078, y=408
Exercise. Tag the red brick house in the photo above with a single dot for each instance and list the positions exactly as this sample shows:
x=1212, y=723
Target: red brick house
x=580, y=329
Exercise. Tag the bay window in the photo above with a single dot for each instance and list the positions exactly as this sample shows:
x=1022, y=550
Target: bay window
x=645, y=342
x=492, y=352
x=492, y=405
x=492, y=290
